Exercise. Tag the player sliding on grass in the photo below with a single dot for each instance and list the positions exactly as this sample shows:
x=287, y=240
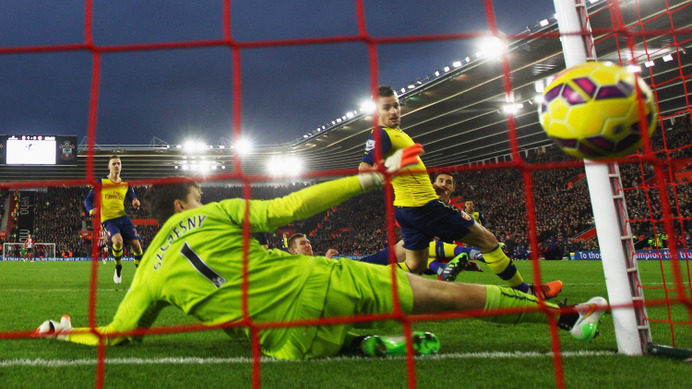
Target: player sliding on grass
x=422, y=215
x=196, y=263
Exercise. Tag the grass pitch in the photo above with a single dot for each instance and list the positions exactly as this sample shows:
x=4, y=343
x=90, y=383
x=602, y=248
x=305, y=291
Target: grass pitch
x=474, y=354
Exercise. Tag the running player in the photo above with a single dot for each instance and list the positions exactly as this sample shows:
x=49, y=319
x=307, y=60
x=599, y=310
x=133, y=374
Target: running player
x=419, y=211
x=197, y=259
x=119, y=227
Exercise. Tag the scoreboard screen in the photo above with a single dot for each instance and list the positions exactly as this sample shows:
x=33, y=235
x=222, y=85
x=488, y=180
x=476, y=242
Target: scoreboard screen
x=38, y=150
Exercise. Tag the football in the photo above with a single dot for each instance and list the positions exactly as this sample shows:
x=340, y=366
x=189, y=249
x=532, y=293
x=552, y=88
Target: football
x=591, y=111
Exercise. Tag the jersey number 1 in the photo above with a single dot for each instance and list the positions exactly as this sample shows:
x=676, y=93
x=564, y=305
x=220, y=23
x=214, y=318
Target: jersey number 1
x=199, y=265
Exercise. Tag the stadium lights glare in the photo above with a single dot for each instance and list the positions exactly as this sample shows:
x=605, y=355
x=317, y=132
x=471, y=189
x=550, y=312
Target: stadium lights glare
x=511, y=109
x=437, y=73
x=467, y=59
x=668, y=58
x=178, y=146
x=368, y=106
x=649, y=64
x=244, y=146
x=457, y=64
x=539, y=86
x=349, y=115
x=284, y=166
x=411, y=86
x=446, y=69
x=192, y=146
x=634, y=69
x=544, y=22
x=539, y=99
x=492, y=47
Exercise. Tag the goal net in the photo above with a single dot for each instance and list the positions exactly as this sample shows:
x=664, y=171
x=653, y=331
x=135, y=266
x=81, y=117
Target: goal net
x=476, y=116
x=16, y=251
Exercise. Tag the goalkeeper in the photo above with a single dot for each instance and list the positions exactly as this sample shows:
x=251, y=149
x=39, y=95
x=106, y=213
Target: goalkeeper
x=196, y=262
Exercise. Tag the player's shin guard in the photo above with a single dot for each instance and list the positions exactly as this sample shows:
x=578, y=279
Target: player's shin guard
x=503, y=298
x=501, y=265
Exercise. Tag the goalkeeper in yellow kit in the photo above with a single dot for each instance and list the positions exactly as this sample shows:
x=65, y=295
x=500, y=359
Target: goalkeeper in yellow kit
x=195, y=263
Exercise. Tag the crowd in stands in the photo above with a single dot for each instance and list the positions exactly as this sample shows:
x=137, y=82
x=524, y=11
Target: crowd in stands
x=359, y=226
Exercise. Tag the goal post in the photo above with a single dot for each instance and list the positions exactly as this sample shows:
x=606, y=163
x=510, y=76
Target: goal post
x=13, y=251
x=619, y=264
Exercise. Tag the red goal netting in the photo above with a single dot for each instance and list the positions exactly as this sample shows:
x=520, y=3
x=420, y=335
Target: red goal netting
x=652, y=37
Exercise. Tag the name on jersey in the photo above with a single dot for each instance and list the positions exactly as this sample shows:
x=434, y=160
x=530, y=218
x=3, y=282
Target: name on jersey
x=183, y=227
x=114, y=197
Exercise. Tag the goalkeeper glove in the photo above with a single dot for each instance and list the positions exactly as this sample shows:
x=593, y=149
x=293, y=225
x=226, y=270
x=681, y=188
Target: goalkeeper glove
x=400, y=160
x=55, y=330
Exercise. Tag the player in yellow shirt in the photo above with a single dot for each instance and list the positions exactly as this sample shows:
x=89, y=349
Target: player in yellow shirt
x=420, y=213
x=118, y=226
x=197, y=260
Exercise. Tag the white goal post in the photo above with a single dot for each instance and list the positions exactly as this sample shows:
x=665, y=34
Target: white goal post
x=13, y=251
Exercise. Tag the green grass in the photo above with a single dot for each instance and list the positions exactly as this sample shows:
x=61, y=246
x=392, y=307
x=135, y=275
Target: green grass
x=474, y=354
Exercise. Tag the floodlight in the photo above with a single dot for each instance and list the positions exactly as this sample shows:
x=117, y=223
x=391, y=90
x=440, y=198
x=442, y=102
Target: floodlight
x=244, y=146
x=492, y=47
x=634, y=69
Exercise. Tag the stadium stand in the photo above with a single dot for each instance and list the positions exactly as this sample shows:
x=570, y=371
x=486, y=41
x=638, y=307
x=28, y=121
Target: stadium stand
x=358, y=226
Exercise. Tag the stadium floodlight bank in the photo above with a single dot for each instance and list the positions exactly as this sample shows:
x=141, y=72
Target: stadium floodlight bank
x=13, y=251
x=623, y=283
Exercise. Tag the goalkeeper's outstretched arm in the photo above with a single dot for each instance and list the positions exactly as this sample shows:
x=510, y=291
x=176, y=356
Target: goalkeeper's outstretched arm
x=311, y=200
x=63, y=330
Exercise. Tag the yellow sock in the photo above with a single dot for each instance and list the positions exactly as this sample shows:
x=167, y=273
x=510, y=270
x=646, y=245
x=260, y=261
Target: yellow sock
x=403, y=266
x=441, y=250
x=500, y=298
x=501, y=265
x=138, y=258
x=117, y=255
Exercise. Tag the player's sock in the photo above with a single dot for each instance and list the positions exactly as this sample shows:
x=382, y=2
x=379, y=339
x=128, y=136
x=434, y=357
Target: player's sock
x=403, y=266
x=501, y=265
x=504, y=298
x=117, y=256
x=448, y=250
x=473, y=252
x=436, y=266
x=138, y=258
x=379, y=258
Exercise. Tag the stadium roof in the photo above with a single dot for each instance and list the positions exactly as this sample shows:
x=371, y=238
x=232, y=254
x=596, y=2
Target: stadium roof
x=458, y=114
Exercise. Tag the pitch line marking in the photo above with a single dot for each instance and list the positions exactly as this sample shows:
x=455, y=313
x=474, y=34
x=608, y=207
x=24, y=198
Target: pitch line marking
x=245, y=360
